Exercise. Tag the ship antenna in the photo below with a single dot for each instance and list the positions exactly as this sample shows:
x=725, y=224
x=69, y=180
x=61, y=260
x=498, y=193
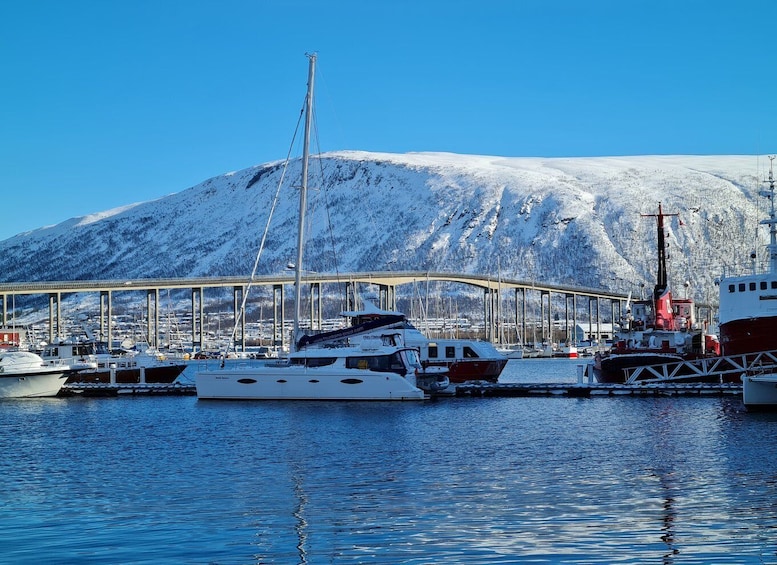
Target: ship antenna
x=772, y=220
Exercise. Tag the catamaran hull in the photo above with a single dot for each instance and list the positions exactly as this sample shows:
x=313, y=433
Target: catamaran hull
x=760, y=392
x=31, y=385
x=303, y=383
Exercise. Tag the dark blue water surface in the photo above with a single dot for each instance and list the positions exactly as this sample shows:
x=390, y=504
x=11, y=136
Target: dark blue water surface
x=457, y=480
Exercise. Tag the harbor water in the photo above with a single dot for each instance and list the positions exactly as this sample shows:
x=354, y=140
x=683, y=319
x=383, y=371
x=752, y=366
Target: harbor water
x=451, y=480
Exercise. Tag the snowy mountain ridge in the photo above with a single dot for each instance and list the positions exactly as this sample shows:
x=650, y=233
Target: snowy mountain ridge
x=556, y=220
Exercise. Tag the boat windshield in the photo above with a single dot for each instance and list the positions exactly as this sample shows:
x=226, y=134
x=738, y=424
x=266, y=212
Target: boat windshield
x=413, y=359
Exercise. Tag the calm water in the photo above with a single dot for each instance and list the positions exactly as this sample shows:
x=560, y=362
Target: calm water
x=468, y=480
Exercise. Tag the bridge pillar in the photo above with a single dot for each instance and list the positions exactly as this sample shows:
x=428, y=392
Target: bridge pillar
x=239, y=316
x=490, y=314
x=152, y=317
x=316, y=318
x=350, y=295
x=104, y=333
x=278, y=321
x=55, y=310
x=198, y=318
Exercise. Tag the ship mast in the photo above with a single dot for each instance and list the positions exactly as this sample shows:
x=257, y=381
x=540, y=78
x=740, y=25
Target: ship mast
x=772, y=221
x=303, y=192
x=662, y=281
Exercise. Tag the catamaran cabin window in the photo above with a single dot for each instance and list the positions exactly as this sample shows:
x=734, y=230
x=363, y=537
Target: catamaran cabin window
x=774, y=284
x=469, y=353
x=752, y=286
x=432, y=352
x=382, y=363
x=450, y=351
x=741, y=287
x=763, y=285
x=731, y=288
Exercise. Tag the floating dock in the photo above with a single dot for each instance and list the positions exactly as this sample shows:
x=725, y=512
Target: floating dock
x=586, y=390
x=136, y=389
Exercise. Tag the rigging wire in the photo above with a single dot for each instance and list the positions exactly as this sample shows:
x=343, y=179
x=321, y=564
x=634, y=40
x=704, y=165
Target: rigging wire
x=241, y=313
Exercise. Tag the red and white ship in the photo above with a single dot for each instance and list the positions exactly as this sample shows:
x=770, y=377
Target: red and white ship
x=661, y=329
x=748, y=303
x=748, y=313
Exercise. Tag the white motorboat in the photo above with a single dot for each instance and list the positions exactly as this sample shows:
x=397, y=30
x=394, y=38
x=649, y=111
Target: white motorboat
x=25, y=375
x=379, y=369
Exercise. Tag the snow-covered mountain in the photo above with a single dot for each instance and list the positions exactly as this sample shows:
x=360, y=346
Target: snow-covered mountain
x=557, y=220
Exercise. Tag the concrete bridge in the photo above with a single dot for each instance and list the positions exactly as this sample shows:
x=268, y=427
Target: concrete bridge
x=386, y=283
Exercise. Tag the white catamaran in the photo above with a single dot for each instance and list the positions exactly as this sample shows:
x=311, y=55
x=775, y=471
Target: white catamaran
x=375, y=369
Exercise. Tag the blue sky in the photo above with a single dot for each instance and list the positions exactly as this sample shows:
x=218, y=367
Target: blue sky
x=106, y=103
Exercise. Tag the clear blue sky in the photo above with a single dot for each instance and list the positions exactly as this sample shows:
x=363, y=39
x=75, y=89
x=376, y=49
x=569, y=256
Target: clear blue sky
x=109, y=102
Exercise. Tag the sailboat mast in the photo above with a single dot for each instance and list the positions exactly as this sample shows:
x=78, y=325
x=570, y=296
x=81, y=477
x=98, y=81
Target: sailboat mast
x=303, y=193
x=772, y=221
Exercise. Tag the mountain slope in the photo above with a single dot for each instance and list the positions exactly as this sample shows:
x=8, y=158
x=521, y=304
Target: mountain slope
x=558, y=220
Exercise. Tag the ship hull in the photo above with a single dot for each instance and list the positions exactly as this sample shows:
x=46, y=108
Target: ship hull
x=749, y=335
x=611, y=369
x=461, y=371
x=164, y=374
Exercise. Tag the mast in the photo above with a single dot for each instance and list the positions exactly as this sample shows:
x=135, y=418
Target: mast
x=772, y=221
x=303, y=193
x=662, y=282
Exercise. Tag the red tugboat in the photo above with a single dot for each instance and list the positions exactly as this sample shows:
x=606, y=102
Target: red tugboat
x=659, y=330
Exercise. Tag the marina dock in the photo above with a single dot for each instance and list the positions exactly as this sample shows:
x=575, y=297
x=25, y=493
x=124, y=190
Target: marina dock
x=586, y=390
x=135, y=389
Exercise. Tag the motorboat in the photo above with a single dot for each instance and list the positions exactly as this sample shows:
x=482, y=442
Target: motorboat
x=373, y=369
x=656, y=331
x=25, y=375
x=464, y=359
x=102, y=366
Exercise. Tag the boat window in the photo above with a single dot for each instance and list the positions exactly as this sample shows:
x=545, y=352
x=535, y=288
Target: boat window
x=741, y=287
x=469, y=353
x=450, y=352
x=763, y=285
x=381, y=363
x=319, y=361
x=752, y=286
x=774, y=284
x=432, y=351
x=731, y=288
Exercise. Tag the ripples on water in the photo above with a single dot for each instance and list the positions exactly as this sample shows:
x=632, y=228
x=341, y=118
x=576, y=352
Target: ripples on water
x=468, y=480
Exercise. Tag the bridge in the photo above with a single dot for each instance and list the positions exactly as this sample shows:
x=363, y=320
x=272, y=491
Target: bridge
x=386, y=283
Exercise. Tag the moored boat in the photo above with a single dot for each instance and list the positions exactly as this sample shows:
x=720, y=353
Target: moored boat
x=373, y=369
x=100, y=366
x=25, y=375
x=464, y=359
x=661, y=329
x=748, y=314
